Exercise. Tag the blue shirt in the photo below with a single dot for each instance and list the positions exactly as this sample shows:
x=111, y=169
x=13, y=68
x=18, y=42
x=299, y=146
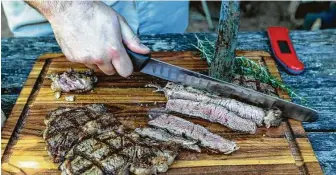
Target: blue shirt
x=144, y=17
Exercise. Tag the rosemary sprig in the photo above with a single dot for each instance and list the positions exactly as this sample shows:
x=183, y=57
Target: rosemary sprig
x=207, y=48
x=246, y=67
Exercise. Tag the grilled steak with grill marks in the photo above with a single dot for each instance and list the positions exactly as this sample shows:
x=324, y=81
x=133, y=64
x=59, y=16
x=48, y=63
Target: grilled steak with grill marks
x=111, y=152
x=89, y=140
x=181, y=127
x=64, y=127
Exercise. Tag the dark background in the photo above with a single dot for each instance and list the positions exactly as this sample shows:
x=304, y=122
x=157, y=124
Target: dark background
x=257, y=16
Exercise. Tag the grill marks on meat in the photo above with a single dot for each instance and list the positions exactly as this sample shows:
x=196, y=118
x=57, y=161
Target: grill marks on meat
x=112, y=152
x=178, y=91
x=73, y=81
x=184, y=128
x=213, y=113
x=89, y=140
x=162, y=135
x=63, y=128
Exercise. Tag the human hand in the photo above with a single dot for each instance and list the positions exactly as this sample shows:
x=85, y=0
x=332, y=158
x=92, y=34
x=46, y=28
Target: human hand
x=92, y=33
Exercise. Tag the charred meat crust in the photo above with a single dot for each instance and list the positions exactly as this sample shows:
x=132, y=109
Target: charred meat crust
x=113, y=153
x=89, y=140
x=184, y=128
x=213, y=113
x=64, y=127
x=72, y=80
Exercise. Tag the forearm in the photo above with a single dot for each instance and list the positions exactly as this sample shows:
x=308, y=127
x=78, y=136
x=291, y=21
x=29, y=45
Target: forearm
x=51, y=8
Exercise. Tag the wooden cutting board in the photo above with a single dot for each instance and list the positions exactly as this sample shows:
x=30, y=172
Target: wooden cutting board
x=282, y=150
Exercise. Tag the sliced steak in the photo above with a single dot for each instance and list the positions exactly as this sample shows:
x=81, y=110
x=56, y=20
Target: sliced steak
x=213, y=113
x=162, y=135
x=73, y=81
x=184, y=128
x=178, y=91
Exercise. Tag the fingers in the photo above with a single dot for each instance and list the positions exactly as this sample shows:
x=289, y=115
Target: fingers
x=107, y=68
x=130, y=38
x=115, y=52
x=104, y=63
x=121, y=61
x=103, y=47
x=92, y=66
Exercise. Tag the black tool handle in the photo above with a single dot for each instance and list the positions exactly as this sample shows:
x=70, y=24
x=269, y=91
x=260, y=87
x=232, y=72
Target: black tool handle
x=139, y=60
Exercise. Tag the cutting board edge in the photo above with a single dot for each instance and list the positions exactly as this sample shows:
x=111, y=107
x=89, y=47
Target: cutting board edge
x=39, y=66
x=44, y=59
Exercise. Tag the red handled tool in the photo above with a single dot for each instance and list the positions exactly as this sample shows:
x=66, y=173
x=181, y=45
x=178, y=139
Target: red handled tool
x=283, y=50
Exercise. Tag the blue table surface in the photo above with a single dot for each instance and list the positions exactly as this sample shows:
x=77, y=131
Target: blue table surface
x=317, y=50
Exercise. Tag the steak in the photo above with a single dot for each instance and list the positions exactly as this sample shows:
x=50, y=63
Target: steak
x=184, y=128
x=73, y=81
x=63, y=128
x=89, y=140
x=178, y=91
x=213, y=113
x=162, y=135
x=111, y=152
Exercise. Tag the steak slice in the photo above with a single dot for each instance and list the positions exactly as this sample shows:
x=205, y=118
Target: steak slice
x=73, y=81
x=64, y=127
x=212, y=113
x=162, y=135
x=184, y=128
x=178, y=91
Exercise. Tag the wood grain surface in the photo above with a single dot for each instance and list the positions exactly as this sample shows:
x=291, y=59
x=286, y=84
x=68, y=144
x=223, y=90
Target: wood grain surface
x=282, y=150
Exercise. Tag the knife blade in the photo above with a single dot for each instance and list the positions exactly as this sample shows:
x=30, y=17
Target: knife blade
x=146, y=64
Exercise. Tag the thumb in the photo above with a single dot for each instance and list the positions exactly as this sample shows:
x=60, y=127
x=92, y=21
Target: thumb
x=130, y=39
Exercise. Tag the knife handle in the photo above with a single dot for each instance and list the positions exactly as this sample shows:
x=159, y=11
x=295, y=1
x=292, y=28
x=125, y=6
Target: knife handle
x=139, y=60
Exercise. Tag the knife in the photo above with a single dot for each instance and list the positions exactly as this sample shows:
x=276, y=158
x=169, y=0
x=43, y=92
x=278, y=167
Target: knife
x=145, y=64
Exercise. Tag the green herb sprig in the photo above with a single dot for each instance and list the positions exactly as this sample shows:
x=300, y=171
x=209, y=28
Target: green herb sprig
x=246, y=67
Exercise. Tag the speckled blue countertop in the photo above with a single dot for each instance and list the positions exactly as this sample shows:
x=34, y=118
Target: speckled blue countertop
x=317, y=50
